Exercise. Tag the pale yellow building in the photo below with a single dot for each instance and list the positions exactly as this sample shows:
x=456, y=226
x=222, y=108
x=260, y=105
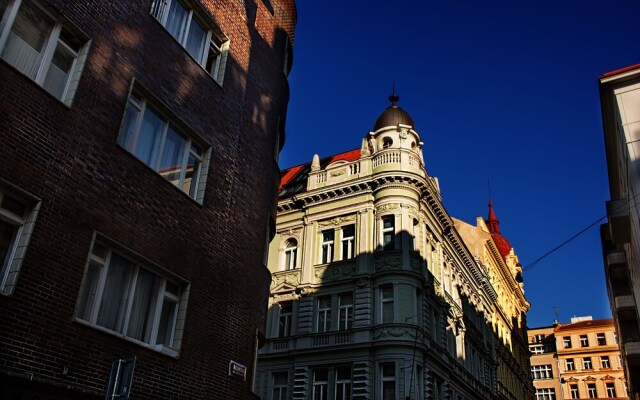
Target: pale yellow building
x=496, y=255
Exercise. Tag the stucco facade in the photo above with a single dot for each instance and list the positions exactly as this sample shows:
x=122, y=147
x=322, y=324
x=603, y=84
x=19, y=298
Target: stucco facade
x=374, y=294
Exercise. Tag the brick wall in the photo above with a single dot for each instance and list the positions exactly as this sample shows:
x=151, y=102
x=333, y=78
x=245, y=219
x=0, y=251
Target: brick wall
x=69, y=158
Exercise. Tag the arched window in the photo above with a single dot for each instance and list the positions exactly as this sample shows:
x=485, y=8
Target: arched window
x=290, y=254
x=387, y=142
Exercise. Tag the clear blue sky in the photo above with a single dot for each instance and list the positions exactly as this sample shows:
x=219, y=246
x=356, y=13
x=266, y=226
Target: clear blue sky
x=502, y=90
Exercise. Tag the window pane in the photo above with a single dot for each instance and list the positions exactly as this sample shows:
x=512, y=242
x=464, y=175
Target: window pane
x=7, y=238
x=59, y=71
x=167, y=318
x=116, y=293
x=195, y=40
x=142, y=310
x=177, y=20
x=128, y=126
x=172, y=156
x=26, y=40
x=192, y=175
x=149, y=138
x=88, y=293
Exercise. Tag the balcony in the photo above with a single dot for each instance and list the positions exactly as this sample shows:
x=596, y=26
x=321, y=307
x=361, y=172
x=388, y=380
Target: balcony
x=333, y=338
x=619, y=223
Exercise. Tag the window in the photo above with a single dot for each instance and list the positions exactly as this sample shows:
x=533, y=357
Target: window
x=545, y=394
x=386, y=304
x=538, y=338
x=571, y=365
x=586, y=362
x=280, y=385
x=17, y=218
x=324, y=313
x=604, y=362
x=591, y=390
x=155, y=141
x=290, y=254
x=327, y=246
x=584, y=341
x=415, y=230
x=387, y=142
x=208, y=47
x=388, y=232
x=345, y=311
x=541, y=371
x=602, y=341
x=611, y=389
x=388, y=381
x=537, y=349
x=348, y=235
x=320, y=384
x=38, y=45
x=566, y=341
x=127, y=298
x=284, y=319
x=573, y=390
x=343, y=383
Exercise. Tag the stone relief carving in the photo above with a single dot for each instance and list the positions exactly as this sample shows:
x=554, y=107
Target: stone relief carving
x=335, y=272
x=290, y=277
x=338, y=172
x=388, y=262
x=387, y=207
x=395, y=331
x=337, y=220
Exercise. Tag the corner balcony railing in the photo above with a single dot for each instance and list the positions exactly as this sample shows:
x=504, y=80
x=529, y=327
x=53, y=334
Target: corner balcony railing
x=332, y=338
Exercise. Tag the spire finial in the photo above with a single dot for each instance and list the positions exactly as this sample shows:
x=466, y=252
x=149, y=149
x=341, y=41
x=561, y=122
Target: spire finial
x=394, y=97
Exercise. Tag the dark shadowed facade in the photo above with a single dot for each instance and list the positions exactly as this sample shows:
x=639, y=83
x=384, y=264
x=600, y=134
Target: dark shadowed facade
x=138, y=179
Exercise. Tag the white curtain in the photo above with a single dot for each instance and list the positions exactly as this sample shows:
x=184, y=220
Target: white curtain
x=115, y=294
x=172, y=156
x=149, y=138
x=177, y=20
x=142, y=307
x=195, y=40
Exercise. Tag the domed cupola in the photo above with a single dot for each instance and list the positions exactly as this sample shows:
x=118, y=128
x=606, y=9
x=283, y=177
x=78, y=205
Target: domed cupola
x=393, y=115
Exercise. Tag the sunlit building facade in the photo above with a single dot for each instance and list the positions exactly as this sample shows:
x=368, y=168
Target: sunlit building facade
x=508, y=315
x=544, y=363
x=619, y=98
x=131, y=240
x=374, y=294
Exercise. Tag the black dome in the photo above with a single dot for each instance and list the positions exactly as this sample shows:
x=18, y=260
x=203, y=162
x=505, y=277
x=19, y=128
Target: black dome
x=393, y=115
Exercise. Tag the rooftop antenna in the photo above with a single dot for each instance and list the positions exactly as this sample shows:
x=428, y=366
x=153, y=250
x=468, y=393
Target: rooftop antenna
x=556, y=311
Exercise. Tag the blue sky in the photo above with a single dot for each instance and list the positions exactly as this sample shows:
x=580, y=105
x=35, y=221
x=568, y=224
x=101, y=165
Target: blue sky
x=502, y=91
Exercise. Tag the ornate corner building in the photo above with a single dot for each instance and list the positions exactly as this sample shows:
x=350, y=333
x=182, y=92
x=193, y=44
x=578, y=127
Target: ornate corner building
x=619, y=98
x=128, y=225
x=578, y=360
x=374, y=293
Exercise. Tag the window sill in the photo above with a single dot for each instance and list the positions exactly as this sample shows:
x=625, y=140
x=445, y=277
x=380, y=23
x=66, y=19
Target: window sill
x=167, y=351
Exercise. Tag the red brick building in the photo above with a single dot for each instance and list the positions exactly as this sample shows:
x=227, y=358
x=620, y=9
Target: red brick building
x=138, y=177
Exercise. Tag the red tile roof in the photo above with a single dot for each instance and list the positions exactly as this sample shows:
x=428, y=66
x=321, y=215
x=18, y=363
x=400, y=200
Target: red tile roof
x=584, y=324
x=299, y=173
x=621, y=70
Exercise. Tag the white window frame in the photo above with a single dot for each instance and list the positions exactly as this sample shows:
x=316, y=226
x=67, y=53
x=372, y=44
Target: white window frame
x=592, y=391
x=343, y=389
x=541, y=371
x=537, y=349
x=605, y=362
x=139, y=103
x=348, y=242
x=384, y=300
x=601, y=339
x=573, y=391
x=587, y=363
x=323, y=324
x=546, y=394
x=23, y=228
x=285, y=319
x=566, y=342
x=584, y=341
x=326, y=247
x=320, y=388
x=571, y=365
x=388, y=378
x=215, y=42
x=49, y=48
x=279, y=391
x=391, y=230
x=94, y=299
x=611, y=389
x=345, y=312
x=290, y=254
